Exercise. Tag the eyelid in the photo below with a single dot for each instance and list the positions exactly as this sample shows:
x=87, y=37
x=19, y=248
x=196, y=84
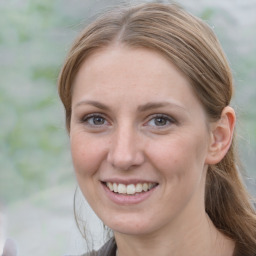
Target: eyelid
x=92, y=115
x=165, y=116
x=84, y=120
x=86, y=117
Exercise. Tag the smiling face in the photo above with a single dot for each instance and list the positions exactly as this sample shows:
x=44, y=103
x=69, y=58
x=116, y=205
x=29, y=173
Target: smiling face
x=138, y=129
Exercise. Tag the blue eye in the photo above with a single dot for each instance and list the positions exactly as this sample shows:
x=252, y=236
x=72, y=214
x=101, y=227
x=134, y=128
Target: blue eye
x=95, y=120
x=160, y=121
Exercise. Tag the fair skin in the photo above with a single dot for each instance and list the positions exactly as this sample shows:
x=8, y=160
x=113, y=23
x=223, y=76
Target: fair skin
x=135, y=120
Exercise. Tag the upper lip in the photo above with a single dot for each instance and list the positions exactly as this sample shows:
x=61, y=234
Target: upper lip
x=127, y=181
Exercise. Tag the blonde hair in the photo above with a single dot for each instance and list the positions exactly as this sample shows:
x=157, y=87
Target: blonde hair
x=192, y=47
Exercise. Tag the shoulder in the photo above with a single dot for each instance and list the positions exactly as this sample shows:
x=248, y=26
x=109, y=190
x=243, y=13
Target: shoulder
x=108, y=249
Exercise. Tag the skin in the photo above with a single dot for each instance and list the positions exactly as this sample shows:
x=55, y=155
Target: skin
x=116, y=135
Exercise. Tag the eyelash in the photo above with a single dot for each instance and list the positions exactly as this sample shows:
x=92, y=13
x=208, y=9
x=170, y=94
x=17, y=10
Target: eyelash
x=86, y=119
x=168, y=120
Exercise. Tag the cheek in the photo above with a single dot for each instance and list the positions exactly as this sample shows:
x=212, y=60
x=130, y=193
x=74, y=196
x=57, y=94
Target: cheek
x=85, y=155
x=179, y=156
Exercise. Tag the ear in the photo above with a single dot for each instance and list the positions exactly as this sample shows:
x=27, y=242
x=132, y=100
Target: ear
x=221, y=135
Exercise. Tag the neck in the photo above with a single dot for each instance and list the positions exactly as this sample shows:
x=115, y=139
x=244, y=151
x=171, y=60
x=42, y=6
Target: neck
x=199, y=238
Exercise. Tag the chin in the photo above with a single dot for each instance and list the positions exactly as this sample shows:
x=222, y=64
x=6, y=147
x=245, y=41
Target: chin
x=130, y=225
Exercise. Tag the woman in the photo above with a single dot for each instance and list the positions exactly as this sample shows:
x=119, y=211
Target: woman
x=146, y=91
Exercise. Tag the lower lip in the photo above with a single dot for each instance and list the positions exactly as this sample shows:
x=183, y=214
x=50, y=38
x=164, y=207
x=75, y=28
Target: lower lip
x=123, y=199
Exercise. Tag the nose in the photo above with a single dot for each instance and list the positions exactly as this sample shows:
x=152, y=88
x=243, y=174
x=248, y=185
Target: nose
x=126, y=149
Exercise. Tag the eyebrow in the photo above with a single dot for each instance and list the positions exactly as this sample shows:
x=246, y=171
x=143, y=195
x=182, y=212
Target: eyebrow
x=93, y=103
x=141, y=108
x=154, y=105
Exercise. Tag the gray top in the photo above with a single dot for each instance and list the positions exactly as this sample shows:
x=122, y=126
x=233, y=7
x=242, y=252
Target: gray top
x=108, y=249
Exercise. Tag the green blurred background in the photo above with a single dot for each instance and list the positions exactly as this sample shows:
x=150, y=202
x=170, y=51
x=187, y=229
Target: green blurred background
x=36, y=177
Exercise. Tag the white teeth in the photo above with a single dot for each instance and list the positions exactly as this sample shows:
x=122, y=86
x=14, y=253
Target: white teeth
x=145, y=187
x=138, y=188
x=110, y=186
x=121, y=189
x=130, y=189
x=150, y=185
x=115, y=187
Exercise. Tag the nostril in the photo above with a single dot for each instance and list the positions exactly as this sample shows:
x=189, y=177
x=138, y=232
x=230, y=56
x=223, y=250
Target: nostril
x=121, y=160
x=124, y=151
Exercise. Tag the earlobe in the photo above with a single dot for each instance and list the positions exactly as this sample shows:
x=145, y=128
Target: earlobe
x=221, y=136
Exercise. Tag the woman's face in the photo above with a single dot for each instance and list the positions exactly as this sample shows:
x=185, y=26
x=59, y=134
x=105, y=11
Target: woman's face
x=138, y=129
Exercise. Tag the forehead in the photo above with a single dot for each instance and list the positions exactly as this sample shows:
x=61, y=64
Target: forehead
x=122, y=73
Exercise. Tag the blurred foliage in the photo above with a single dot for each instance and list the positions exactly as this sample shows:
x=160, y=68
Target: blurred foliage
x=34, y=37
x=34, y=146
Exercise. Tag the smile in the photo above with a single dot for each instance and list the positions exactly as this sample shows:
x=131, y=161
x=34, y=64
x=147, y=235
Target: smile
x=130, y=189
